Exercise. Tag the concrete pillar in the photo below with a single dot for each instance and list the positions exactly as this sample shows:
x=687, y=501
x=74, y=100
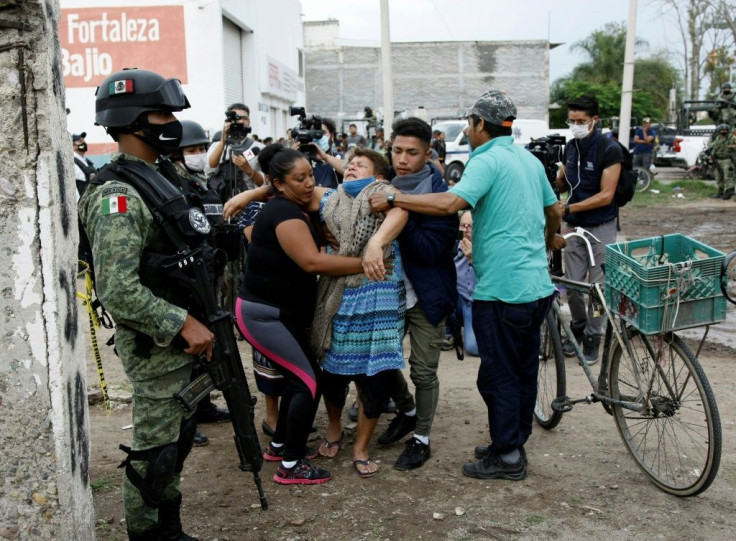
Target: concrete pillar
x=44, y=421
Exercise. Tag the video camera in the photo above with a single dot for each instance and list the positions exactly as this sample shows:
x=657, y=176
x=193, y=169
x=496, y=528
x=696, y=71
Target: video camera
x=308, y=131
x=236, y=131
x=550, y=151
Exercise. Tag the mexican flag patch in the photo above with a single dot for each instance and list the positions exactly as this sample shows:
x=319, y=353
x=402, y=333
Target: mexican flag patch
x=114, y=205
x=124, y=86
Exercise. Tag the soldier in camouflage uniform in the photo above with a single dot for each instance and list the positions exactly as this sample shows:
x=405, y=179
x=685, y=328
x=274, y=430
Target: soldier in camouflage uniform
x=156, y=340
x=723, y=148
x=727, y=104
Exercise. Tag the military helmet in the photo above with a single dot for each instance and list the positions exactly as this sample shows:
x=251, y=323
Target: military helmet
x=726, y=85
x=123, y=96
x=723, y=127
x=193, y=134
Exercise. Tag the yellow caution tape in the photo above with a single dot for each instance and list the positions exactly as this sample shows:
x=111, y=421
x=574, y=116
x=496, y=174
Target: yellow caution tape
x=94, y=324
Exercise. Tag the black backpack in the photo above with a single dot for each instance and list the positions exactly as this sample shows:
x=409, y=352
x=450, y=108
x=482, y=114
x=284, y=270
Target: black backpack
x=626, y=187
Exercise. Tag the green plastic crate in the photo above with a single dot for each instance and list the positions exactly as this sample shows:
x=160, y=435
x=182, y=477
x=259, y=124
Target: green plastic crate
x=665, y=283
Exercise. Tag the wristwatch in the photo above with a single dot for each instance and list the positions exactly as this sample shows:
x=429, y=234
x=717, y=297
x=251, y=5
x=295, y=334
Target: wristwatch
x=567, y=209
x=390, y=199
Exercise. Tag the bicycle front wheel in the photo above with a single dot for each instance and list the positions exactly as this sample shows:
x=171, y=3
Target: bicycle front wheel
x=643, y=178
x=676, y=438
x=551, y=381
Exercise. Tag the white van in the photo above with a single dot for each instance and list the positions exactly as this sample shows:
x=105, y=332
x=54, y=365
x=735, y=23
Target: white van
x=456, y=142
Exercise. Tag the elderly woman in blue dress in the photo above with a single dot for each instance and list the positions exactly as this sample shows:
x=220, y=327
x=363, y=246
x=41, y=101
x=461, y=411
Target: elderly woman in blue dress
x=359, y=321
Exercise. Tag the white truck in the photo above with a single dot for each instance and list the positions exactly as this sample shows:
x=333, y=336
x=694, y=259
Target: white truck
x=456, y=143
x=696, y=123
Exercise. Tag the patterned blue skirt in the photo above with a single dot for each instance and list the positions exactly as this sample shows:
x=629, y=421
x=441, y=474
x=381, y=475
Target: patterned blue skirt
x=368, y=329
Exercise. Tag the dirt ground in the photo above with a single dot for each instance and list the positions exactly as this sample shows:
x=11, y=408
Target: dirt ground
x=581, y=484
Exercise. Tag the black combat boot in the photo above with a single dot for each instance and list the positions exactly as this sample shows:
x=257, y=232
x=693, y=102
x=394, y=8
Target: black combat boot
x=169, y=522
x=718, y=194
x=728, y=194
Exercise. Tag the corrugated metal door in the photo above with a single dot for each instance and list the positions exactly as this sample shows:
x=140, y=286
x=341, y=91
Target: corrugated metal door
x=232, y=46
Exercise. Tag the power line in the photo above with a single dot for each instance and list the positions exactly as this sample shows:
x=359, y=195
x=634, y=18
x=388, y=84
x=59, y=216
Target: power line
x=449, y=31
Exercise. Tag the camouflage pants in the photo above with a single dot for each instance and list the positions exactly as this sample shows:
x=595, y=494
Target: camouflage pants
x=725, y=174
x=156, y=421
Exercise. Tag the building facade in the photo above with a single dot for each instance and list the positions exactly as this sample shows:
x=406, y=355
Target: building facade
x=438, y=78
x=223, y=51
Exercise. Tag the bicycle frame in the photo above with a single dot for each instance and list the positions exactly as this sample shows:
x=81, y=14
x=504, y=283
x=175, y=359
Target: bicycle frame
x=599, y=385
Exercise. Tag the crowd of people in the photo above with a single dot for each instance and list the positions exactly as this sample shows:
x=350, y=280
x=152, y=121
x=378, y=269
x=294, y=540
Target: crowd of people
x=345, y=253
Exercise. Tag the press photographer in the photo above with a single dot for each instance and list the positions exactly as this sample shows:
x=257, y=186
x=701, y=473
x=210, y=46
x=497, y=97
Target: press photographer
x=232, y=162
x=315, y=138
x=550, y=151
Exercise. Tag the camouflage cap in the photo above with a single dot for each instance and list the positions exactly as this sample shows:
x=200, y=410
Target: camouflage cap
x=494, y=107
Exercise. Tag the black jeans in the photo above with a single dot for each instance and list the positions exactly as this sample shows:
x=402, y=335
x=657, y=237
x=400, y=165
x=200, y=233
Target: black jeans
x=508, y=343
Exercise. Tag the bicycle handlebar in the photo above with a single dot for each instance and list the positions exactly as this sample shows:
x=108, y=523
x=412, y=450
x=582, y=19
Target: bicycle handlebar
x=581, y=233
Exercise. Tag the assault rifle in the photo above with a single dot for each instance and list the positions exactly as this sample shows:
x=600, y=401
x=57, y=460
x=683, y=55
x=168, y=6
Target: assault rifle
x=225, y=370
x=189, y=268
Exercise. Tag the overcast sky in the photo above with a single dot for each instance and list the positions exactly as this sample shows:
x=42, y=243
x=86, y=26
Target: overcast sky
x=565, y=21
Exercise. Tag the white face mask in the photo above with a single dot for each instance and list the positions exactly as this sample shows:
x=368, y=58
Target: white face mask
x=195, y=162
x=580, y=132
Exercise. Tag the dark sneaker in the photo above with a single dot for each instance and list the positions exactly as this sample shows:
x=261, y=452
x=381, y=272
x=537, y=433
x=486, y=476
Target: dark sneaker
x=400, y=426
x=303, y=473
x=274, y=454
x=213, y=415
x=448, y=343
x=353, y=412
x=415, y=454
x=568, y=348
x=591, y=345
x=200, y=438
x=481, y=451
x=492, y=467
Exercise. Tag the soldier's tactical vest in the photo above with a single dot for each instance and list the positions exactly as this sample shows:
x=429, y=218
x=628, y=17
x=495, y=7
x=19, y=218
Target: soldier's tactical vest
x=181, y=224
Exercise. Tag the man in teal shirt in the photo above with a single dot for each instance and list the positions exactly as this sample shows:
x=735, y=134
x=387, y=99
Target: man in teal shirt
x=515, y=220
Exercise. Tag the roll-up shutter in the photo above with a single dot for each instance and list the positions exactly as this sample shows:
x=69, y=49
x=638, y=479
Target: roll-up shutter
x=232, y=45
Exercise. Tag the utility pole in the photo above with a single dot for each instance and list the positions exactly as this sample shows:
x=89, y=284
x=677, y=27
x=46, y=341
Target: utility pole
x=388, y=88
x=627, y=87
x=43, y=395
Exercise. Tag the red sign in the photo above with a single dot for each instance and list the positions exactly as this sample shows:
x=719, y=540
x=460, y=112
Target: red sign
x=96, y=42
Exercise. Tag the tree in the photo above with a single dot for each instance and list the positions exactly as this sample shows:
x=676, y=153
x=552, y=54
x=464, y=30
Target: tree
x=601, y=74
x=705, y=26
x=605, y=51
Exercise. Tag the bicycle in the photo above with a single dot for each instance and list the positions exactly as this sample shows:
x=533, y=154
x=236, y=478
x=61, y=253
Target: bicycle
x=653, y=386
x=643, y=178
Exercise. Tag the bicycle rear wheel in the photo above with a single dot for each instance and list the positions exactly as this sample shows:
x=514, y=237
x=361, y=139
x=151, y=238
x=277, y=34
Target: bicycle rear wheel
x=676, y=440
x=551, y=381
x=643, y=178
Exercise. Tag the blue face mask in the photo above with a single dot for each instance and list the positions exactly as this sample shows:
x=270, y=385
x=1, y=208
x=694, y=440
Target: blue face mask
x=324, y=143
x=354, y=187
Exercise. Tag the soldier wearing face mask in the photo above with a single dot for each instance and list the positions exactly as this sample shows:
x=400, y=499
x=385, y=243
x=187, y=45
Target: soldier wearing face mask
x=132, y=213
x=590, y=175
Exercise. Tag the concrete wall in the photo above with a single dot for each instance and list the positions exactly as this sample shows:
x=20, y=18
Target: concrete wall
x=343, y=77
x=43, y=406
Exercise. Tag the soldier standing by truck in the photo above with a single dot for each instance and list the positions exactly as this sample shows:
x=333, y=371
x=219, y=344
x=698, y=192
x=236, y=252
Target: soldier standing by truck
x=723, y=148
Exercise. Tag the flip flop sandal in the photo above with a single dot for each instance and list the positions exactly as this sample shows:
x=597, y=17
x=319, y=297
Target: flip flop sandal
x=332, y=444
x=358, y=463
